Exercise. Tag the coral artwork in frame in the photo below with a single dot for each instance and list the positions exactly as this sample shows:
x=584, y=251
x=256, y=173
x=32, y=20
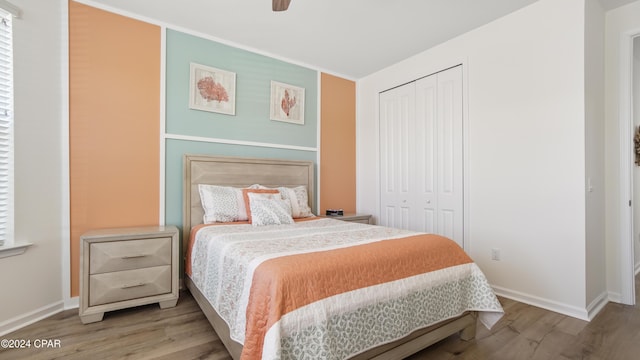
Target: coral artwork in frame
x=287, y=103
x=212, y=89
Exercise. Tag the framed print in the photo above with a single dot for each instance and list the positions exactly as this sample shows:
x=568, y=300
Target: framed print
x=287, y=103
x=212, y=89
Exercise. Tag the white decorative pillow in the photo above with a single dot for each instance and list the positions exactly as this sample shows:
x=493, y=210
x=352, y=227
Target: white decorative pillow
x=269, y=210
x=222, y=203
x=298, y=199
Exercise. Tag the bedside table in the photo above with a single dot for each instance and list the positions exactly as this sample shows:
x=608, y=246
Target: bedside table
x=126, y=267
x=359, y=218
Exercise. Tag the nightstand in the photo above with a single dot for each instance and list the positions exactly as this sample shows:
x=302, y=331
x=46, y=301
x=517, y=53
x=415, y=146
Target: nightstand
x=126, y=267
x=359, y=218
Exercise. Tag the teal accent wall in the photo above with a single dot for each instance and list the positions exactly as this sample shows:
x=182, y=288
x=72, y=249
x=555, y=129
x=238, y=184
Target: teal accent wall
x=173, y=170
x=254, y=73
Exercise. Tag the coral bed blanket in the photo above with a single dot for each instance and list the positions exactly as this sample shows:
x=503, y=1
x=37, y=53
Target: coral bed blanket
x=330, y=289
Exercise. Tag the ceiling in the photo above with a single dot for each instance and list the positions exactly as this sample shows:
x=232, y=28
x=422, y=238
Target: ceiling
x=350, y=38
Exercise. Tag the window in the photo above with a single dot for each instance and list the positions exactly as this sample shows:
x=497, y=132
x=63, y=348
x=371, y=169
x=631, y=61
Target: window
x=8, y=246
x=6, y=129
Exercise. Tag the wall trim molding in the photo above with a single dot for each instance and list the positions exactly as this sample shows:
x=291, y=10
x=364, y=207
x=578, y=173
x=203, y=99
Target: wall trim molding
x=65, y=155
x=597, y=305
x=551, y=305
x=163, y=121
x=29, y=318
x=319, y=142
x=615, y=297
x=637, y=269
x=238, y=142
x=11, y=9
x=72, y=303
x=16, y=248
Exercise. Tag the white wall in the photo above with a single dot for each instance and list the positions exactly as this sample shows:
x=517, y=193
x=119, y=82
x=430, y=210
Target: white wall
x=32, y=283
x=596, y=279
x=624, y=20
x=524, y=77
x=636, y=173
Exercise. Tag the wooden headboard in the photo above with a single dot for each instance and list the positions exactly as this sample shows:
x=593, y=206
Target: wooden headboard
x=237, y=172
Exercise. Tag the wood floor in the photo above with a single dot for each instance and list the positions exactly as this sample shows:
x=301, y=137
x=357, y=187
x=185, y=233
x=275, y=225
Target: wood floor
x=183, y=332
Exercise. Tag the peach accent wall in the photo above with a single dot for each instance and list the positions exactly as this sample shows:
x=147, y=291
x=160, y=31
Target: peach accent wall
x=114, y=80
x=337, y=144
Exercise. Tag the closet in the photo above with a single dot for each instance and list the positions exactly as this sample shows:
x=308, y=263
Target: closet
x=421, y=160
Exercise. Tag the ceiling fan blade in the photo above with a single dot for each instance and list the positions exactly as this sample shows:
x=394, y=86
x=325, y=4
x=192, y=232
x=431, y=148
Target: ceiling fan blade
x=280, y=5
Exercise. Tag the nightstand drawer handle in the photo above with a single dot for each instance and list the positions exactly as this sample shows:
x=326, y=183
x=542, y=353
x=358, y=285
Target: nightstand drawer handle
x=134, y=256
x=132, y=286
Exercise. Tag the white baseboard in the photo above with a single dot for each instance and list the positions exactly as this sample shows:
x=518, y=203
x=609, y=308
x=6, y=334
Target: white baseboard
x=29, y=318
x=597, y=305
x=72, y=303
x=615, y=297
x=547, y=304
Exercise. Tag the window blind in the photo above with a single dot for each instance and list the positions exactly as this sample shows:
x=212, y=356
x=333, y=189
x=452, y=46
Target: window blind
x=6, y=129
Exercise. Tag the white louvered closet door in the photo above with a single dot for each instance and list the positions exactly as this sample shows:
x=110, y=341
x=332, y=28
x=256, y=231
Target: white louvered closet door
x=422, y=182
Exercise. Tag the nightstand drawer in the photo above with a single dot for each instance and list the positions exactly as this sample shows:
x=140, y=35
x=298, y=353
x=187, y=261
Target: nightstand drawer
x=132, y=254
x=361, y=221
x=357, y=218
x=129, y=284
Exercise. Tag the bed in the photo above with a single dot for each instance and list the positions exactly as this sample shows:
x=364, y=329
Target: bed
x=243, y=172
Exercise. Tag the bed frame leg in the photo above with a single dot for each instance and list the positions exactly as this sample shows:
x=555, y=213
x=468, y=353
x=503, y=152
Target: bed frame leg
x=469, y=332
